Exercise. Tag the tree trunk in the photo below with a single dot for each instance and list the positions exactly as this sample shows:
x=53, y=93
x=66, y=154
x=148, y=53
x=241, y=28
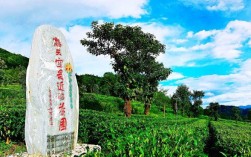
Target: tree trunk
x=147, y=109
x=127, y=108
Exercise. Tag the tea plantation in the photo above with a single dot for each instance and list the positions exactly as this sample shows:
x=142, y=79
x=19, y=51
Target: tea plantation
x=139, y=135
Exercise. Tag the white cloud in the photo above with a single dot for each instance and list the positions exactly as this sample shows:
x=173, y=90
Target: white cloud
x=190, y=34
x=232, y=89
x=175, y=76
x=216, y=5
x=64, y=10
x=170, y=89
x=19, y=19
x=249, y=43
x=205, y=34
x=178, y=49
x=238, y=97
x=228, y=42
x=160, y=31
x=15, y=45
x=201, y=47
x=226, y=5
x=225, y=44
x=209, y=94
x=180, y=58
x=179, y=41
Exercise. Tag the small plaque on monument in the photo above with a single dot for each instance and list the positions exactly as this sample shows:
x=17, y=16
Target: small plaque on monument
x=51, y=124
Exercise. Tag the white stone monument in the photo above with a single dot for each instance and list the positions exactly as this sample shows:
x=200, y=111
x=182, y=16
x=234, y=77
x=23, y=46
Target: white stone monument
x=52, y=111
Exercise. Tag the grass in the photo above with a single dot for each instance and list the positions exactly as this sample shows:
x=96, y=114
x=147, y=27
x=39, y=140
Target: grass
x=12, y=148
x=15, y=87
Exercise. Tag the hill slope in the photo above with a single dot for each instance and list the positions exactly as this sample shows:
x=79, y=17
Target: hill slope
x=13, y=60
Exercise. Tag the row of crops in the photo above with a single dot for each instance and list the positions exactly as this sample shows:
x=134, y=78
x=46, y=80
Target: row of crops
x=231, y=138
x=120, y=136
x=143, y=136
x=139, y=135
x=146, y=136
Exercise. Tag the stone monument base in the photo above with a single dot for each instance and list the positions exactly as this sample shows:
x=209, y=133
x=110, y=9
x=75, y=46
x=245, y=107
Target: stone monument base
x=80, y=149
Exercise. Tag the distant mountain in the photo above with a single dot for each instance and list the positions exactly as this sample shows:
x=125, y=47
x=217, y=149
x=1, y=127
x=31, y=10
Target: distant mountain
x=226, y=111
x=245, y=107
x=13, y=60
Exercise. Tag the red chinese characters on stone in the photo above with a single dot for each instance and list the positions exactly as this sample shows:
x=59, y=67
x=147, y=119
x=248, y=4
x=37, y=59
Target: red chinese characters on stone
x=63, y=124
x=60, y=74
x=62, y=109
x=60, y=84
x=50, y=108
x=61, y=96
x=58, y=52
x=59, y=63
x=57, y=42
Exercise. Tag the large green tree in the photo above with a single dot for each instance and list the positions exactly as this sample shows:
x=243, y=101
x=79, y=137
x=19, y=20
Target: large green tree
x=249, y=115
x=197, y=102
x=161, y=99
x=88, y=83
x=130, y=50
x=214, y=110
x=182, y=97
x=2, y=67
x=109, y=84
x=154, y=73
x=236, y=113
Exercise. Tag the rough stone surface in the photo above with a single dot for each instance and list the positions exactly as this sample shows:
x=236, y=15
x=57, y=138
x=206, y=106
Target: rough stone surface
x=79, y=150
x=52, y=111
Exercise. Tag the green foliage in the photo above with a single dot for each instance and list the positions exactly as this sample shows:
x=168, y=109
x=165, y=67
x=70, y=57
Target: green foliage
x=249, y=115
x=101, y=102
x=236, y=113
x=143, y=136
x=182, y=97
x=88, y=83
x=110, y=104
x=106, y=85
x=134, y=58
x=12, y=95
x=214, y=110
x=161, y=100
x=13, y=60
x=197, y=102
x=233, y=138
x=13, y=76
x=2, y=64
x=12, y=148
x=12, y=119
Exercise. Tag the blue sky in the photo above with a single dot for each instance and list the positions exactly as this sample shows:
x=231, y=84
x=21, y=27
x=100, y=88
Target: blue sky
x=208, y=43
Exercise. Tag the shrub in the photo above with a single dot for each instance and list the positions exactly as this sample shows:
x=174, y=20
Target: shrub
x=12, y=121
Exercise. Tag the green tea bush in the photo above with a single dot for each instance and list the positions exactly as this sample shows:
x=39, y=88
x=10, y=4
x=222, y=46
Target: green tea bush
x=12, y=121
x=111, y=104
x=232, y=138
x=120, y=136
x=12, y=95
x=101, y=103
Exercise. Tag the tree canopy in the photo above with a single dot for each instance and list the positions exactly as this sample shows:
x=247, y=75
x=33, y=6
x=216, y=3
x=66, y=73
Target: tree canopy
x=133, y=55
x=182, y=97
x=214, y=110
